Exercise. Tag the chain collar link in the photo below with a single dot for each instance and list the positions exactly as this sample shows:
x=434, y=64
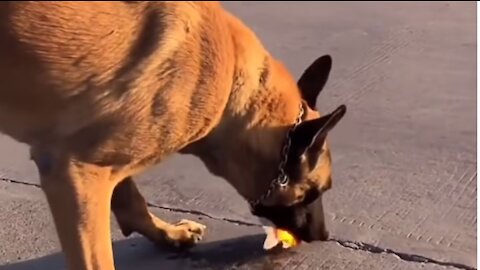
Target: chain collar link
x=282, y=179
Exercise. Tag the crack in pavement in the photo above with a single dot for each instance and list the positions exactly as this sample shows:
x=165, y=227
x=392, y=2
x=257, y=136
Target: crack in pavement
x=3, y=179
x=403, y=256
x=199, y=213
x=353, y=245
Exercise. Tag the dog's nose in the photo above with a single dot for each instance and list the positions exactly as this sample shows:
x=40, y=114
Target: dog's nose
x=325, y=236
x=321, y=236
x=316, y=229
x=310, y=235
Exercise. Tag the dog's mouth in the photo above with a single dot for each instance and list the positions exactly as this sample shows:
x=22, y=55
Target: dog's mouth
x=304, y=220
x=291, y=219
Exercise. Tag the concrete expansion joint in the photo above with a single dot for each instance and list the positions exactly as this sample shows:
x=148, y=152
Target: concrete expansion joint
x=360, y=246
x=202, y=214
x=11, y=181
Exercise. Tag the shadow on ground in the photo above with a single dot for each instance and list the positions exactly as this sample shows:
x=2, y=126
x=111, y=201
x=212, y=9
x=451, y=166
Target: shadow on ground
x=137, y=253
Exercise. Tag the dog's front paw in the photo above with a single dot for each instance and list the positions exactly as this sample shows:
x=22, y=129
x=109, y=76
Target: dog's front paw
x=186, y=233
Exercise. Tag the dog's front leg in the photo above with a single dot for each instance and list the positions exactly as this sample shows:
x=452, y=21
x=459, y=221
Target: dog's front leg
x=79, y=198
x=130, y=209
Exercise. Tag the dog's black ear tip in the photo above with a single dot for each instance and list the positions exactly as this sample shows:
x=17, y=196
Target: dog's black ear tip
x=342, y=109
x=324, y=61
x=327, y=57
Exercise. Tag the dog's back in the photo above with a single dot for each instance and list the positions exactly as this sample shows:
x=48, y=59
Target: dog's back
x=76, y=72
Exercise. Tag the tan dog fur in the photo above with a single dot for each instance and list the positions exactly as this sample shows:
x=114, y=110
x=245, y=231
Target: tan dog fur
x=103, y=90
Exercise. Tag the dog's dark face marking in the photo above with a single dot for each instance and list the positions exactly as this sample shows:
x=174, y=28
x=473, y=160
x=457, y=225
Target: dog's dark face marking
x=305, y=220
x=298, y=208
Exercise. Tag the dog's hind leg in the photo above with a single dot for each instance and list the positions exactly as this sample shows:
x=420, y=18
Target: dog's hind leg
x=79, y=196
x=132, y=215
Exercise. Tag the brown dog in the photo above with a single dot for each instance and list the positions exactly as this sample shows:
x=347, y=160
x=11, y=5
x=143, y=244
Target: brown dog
x=100, y=91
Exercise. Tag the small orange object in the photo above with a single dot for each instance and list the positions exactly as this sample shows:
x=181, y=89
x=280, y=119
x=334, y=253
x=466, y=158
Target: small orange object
x=276, y=236
x=286, y=237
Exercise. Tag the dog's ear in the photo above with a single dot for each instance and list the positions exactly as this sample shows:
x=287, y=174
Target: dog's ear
x=314, y=79
x=309, y=137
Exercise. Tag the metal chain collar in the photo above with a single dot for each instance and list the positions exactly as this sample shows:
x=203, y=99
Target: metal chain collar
x=282, y=179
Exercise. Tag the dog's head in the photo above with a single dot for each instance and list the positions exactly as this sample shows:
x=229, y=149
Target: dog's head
x=252, y=159
x=297, y=206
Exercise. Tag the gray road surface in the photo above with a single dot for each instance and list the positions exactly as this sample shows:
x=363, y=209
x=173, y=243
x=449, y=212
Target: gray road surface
x=404, y=193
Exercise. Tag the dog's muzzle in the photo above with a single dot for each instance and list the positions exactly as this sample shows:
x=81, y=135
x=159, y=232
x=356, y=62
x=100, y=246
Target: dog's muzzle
x=306, y=220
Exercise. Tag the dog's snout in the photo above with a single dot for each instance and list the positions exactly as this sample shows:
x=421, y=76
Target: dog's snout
x=305, y=220
x=315, y=228
x=310, y=235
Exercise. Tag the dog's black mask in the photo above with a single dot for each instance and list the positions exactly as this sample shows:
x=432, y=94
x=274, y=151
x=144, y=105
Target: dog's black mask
x=305, y=220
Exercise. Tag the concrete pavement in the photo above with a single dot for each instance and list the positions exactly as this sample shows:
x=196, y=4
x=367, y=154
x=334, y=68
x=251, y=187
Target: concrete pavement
x=404, y=193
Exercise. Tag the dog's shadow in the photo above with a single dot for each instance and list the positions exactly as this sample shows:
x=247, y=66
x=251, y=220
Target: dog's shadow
x=137, y=253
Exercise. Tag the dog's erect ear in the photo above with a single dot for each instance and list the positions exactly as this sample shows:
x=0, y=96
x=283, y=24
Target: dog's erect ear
x=314, y=79
x=309, y=137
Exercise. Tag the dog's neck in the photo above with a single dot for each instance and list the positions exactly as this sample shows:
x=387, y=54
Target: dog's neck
x=244, y=148
x=262, y=107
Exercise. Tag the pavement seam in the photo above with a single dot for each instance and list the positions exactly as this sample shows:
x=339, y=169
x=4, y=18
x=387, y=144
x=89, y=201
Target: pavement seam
x=361, y=246
x=200, y=213
x=352, y=245
x=3, y=179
